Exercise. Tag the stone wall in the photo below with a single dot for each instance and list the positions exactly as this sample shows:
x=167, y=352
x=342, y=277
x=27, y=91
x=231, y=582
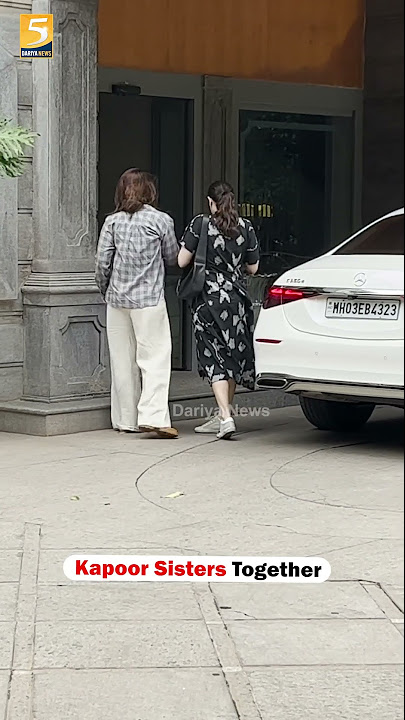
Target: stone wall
x=383, y=179
x=54, y=365
x=15, y=202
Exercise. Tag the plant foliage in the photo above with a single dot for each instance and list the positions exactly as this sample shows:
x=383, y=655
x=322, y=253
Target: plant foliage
x=13, y=141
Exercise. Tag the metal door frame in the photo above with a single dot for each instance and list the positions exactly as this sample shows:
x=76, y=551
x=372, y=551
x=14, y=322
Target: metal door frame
x=153, y=84
x=166, y=85
x=305, y=100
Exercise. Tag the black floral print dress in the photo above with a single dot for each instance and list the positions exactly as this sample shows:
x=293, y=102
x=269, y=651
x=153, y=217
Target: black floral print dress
x=223, y=313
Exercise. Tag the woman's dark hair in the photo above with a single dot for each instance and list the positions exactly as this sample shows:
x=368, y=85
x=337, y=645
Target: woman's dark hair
x=134, y=190
x=226, y=217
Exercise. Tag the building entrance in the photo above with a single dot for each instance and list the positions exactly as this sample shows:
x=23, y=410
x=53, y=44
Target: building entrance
x=295, y=183
x=153, y=134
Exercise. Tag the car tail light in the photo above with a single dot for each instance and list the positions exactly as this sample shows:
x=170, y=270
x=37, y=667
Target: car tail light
x=278, y=295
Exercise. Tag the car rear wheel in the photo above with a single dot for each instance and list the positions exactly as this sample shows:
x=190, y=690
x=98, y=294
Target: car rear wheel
x=335, y=416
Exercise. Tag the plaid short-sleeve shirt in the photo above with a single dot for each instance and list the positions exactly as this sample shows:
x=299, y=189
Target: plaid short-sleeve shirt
x=131, y=256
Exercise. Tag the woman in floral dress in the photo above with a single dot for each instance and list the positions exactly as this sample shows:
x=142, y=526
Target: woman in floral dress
x=223, y=313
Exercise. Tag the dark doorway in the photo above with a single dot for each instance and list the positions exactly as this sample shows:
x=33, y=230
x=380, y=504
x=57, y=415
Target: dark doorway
x=154, y=134
x=296, y=184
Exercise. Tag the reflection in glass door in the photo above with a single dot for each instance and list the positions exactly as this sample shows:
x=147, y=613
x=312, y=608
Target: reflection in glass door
x=295, y=184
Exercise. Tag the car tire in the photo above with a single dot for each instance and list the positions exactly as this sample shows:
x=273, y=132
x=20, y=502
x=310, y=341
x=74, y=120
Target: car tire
x=335, y=416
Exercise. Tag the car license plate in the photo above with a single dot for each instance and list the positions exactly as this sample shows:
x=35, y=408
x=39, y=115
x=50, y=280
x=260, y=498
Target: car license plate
x=362, y=309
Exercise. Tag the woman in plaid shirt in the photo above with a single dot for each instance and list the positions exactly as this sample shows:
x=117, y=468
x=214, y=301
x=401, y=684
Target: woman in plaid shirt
x=136, y=242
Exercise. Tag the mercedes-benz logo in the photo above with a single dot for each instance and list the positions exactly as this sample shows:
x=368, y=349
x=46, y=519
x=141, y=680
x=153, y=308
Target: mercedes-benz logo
x=360, y=279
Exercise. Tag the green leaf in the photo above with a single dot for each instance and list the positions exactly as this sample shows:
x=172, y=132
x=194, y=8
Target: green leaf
x=14, y=139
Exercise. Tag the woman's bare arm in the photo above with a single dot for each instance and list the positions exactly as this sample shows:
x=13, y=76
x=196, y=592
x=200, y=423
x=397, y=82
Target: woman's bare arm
x=184, y=258
x=252, y=269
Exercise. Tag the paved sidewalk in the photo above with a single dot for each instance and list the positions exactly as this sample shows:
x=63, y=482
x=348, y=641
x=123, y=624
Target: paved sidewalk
x=179, y=651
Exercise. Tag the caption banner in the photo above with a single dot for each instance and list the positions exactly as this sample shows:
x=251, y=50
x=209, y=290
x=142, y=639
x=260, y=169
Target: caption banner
x=143, y=568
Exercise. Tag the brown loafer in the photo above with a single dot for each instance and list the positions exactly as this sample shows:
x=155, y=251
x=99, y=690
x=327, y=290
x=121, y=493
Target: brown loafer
x=168, y=433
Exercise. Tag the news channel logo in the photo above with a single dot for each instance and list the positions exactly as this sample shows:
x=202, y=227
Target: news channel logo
x=36, y=36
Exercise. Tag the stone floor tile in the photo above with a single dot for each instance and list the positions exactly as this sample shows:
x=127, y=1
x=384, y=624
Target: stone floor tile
x=124, y=645
x=317, y=642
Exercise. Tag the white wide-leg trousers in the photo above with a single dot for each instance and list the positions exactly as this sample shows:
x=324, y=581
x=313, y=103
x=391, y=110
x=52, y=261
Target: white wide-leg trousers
x=140, y=352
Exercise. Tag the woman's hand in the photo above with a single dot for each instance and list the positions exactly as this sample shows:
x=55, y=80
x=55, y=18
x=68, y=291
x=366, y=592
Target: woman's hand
x=184, y=258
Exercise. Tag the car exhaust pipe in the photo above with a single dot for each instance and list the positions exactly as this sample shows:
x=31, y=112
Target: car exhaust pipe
x=275, y=383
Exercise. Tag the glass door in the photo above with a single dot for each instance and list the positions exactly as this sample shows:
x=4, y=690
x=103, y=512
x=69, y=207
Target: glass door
x=295, y=184
x=154, y=134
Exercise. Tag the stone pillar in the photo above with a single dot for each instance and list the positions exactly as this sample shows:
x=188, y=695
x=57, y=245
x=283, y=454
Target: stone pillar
x=8, y=187
x=11, y=338
x=66, y=377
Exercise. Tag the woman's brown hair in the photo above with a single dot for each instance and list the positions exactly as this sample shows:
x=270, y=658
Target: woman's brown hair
x=227, y=216
x=134, y=190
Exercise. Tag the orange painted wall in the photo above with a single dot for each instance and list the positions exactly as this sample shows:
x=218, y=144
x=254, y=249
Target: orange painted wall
x=305, y=41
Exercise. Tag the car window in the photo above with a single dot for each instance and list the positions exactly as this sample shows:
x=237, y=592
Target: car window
x=383, y=238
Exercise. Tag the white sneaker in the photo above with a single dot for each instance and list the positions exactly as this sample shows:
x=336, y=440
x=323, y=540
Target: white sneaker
x=211, y=427
x=226, y=429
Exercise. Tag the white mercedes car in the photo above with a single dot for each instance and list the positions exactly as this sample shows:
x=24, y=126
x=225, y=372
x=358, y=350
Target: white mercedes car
x=332, y=330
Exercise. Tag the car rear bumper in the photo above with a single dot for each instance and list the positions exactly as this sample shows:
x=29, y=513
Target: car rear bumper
x=331, y=389
x=280, y=350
